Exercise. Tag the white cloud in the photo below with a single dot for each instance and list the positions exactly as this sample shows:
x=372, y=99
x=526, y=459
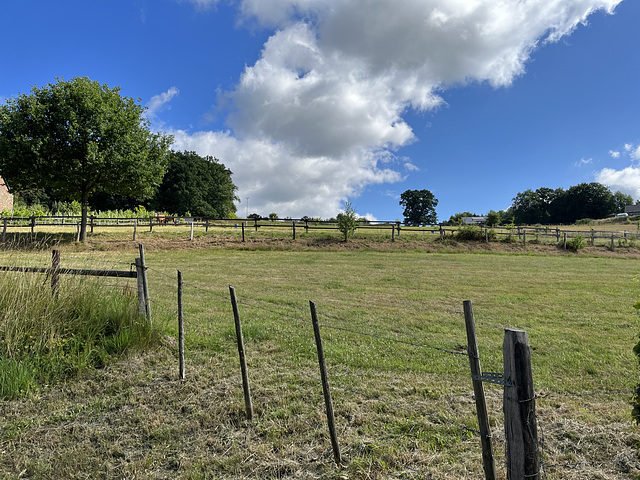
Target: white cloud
x=635, y=154
x=320, y=113
x=584, y=161
x=158, y=102
x=614, y=153
x=410, y=167
x=369, y=216
x=626, y=180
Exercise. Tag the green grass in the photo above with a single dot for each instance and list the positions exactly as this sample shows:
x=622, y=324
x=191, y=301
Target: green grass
x=48, y=339
x=399, y=407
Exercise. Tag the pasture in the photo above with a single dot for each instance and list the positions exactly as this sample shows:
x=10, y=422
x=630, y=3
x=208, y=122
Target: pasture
x=394, y=336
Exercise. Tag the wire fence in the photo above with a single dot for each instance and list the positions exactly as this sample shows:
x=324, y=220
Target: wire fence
x=466, y=428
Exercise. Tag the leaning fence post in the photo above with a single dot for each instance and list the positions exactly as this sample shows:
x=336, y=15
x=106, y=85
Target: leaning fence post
x=478, y=391
x=55, y=271
x=180, y=326
x=243, y=360
x=520, y=424
x=145, y=284
x=325, y=385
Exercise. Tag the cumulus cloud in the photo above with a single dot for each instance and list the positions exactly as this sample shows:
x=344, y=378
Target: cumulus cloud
x=626, y=180
x=158, y=102
x=614, y=153
x=319, y=115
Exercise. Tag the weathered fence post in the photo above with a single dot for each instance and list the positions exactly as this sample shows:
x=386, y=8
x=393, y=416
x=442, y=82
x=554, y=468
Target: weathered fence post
x=191, y=235
x=180, y=327
x=393, y=233
x=243, y=360
x=139, y=274
x=486, y=235
x=135, y=228
x=520, y=424
x=524, y=238
x=4, y=229
x=242, y=232
x=325, y=385
x=441, y=235
x=565, y=240
x=77, y=232
x=33, y=223
x=293, y=227
x=478, y=390
x=398, y=225
x=613, y=248
x=206, y=225
x=55, y=273
x=255, y=223
x=557, y=234
x=91, y=219
x=145, y=284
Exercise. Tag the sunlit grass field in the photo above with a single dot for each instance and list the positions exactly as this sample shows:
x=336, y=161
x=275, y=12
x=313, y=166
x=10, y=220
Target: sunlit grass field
x=394, y=337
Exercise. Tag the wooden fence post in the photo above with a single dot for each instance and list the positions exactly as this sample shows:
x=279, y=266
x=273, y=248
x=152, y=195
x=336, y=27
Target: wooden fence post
x=393, y=233
x=55, y=274
x=145, y=284
x=325, y=385
x=243, y=360
x=293, y=227
x=486, y=235
x=180, y=327
x=441, y=235
x=255, y=223
x=306, y=226
x=613, y=248
x=520, y=424
x=242, y=232
x=4, y=229
x=206, y=225
x=191, y=235
x=33, y=223
x=478, y=390
x=398, y=225
x=91, y=218
x=135, y=228
x=142, y=311
x=524, y=238
x=77, y=232
x=565, y=240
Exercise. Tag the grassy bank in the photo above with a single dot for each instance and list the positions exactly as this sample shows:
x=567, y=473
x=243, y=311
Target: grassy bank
x=393, y=329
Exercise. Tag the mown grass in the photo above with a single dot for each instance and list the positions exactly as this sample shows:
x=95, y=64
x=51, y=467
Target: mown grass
x=402, y=403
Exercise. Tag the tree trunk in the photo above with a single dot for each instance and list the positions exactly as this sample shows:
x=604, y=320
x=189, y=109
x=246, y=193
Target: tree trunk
x=84, y=215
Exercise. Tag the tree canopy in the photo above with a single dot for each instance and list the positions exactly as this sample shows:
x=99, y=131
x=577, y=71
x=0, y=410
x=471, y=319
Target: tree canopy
x=586, y=200
x=419, y=207
x=199, y=185
x=78, y=137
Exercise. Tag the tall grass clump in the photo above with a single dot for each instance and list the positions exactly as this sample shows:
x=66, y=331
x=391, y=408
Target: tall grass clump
x=45, y=339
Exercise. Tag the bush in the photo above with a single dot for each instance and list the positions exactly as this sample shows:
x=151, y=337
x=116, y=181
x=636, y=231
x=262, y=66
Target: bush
x=348, y=221
x=576, y=243
x=470, y=233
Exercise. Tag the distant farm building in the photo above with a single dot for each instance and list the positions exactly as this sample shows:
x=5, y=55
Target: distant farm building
x=6, y=199
x=474, y=220
x=632, y=210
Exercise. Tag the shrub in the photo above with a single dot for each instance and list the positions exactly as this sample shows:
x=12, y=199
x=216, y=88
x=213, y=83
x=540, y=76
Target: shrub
x=348, y=221
x=470, y=233
x=576, y=243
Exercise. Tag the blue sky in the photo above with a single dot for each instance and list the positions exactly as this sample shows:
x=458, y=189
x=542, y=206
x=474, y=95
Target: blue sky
x=314, y=102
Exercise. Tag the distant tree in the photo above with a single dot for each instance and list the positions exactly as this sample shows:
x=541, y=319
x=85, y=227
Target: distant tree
x=195, y=184
x=255, y=216
x=419, y=207
x=530, y=207
x=348, y=221
x=273, y=216
x=456, y=219
x=78, y=137
x=493, y=219
x=621, y=200
x=587, y=200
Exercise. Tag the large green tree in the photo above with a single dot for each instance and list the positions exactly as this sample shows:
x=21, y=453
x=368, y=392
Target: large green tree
x=199, y=185
x=419, y=207
x=79, y=137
